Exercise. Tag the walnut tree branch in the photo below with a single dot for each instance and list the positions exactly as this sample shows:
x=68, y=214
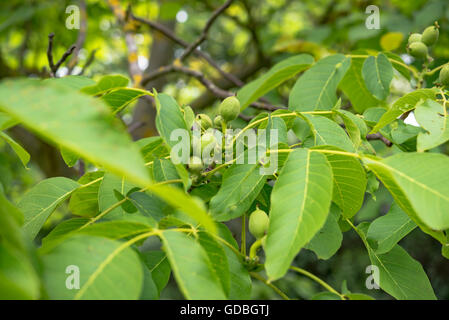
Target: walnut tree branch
x=54, y=67
x=170, y=35
x=205, y=31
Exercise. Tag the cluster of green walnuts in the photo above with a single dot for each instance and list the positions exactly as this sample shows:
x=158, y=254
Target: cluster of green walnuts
x=228, y=111
x=418, y=47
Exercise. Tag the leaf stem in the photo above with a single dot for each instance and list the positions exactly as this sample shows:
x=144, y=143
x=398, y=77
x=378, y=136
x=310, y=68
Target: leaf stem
x=269, y=284
x=318, y=280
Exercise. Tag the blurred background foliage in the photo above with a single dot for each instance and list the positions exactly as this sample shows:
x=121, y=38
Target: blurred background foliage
x=246, y=40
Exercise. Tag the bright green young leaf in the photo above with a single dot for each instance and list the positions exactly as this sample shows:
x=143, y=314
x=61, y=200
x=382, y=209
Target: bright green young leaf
x=107, y=198
x=390, y=228
x=316, y=88
x=355, y=127
x=106, y=84
x=191, y=267
x=119, y=98
x=433, y=117
x=41, y=200
x=103, y=265
x=240, y=187
x=402, y=105
x=76, y=122
x=377, y=73
x=23, y=155
x=70, y=158
x=300, y=203
x=279, y=73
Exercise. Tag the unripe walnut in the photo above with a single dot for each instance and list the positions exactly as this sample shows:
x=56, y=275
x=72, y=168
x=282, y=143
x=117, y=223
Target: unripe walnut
x=229, y=108
x=430, y=35
x=418, y=50
x=414, y=37
x=204, y=121
x=444, y=76
x=258, y=223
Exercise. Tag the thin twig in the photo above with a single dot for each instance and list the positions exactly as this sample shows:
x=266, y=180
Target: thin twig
x=378, y=136
x=170, y=35
x=209, y=85
x=203, y=35
x=54, y=67
x=269, y=284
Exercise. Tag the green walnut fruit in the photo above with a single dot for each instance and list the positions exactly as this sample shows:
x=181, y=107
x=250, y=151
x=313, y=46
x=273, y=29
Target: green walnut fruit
x=430, y=35
x=204, y=121
x=207, y=139
x=414, y=37
x=218, y=121
x=229, y=108
x=418, y=50
x=195, y=164
x=444, y=76
x=258, y=223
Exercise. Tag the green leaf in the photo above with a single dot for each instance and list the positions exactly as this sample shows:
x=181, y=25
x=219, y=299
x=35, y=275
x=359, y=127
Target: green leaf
x=349, y=182
x=300, y=203
x=191, y=267
x=353, y=86
x=432, y=116
x=377, y=73
x=402, y=105
x=279, y=73
x=389, y=229
x=18, y=279
x=74, y=82
x=240, y=187
x=106, y=84
x=217, y=257
x=6, y=121
x=358, y=296
x=402, y=276
x=327, y=132
x=84, y=201
x=106, y=196
x=169, y=117
x=70, y=158
x=103, y=265
x=23, y=155
x=150, y=205
x=10, y=221
x=328, y=240
x=355, y=127
x=400, y=67
x=74, y=121
x=240, y=288
x=149, y=290
x=419, y=184
x=152, y=148
x=157, y=263
x=164, y=170
x=316, y=88
x=114, y=230
x=119, y=98
x=41, y=200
